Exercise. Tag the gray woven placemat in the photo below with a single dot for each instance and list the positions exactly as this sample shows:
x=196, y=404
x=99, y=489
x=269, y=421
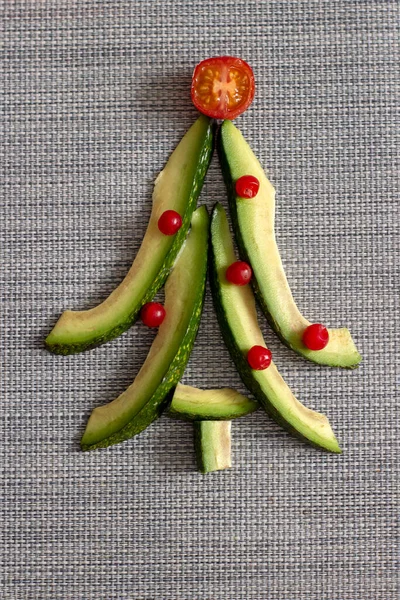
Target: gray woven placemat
x=94, y=96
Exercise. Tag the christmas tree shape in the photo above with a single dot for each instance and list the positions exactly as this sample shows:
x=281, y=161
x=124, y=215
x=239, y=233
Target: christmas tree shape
x=178, y=240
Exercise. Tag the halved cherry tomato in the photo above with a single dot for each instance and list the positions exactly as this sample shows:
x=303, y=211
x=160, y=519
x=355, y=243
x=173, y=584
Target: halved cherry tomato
x=222, y=87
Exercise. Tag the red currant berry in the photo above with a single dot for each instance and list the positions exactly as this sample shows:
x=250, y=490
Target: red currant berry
x=259, y=358
x=247, y=186
x=238, y=273
x=315, y=336
x=152, y=314
x=170, y=222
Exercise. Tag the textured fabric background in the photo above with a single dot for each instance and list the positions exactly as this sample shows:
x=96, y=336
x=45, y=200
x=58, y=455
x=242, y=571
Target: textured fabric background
x=94, y=97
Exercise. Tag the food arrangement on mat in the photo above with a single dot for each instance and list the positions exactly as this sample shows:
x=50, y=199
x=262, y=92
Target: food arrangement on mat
x=180, y=244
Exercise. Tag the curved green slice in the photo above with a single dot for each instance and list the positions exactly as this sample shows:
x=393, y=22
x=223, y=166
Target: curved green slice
x=212, y=443
x=192, y=404
x=236, y=312
x=177, y=188
x=137, y=407
x=253, y=222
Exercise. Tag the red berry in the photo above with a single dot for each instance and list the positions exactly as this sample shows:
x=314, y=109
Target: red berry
x=259, y=358
x=315, y=336
x=238, y=273
x=152, y=314
x=170, y=222
x=247, y=186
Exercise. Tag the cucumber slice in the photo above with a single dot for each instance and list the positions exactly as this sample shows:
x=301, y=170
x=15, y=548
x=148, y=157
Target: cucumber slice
x=253, y=223
x=137, y=407
x=191, y=404
x=212, y=442
x=177, y=188
x=235, y=307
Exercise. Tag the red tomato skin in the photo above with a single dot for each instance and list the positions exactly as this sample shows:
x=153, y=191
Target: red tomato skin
x=221, y=112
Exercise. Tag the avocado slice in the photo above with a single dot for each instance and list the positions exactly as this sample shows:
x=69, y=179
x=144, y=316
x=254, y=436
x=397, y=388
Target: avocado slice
x=212, y=442
x=253, y=224
x=236, y=312
x=137, y=407
x=191, y=404
x=177, y=187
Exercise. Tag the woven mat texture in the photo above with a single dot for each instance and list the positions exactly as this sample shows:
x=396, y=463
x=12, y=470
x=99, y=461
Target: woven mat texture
x=94, y=96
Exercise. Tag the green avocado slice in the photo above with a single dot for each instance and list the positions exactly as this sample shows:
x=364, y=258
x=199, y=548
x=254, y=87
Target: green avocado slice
x=236, y=312
x=253, y=222
x=192, y=404
x=137, y=407
x=212, y=442
x=177, y=188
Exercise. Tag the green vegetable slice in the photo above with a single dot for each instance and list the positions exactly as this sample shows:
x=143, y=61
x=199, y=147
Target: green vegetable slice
x=253, y=223
x=192, y=404
x=137, y=407
x=212, y=441
x=235, y=307
x=177, y=188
